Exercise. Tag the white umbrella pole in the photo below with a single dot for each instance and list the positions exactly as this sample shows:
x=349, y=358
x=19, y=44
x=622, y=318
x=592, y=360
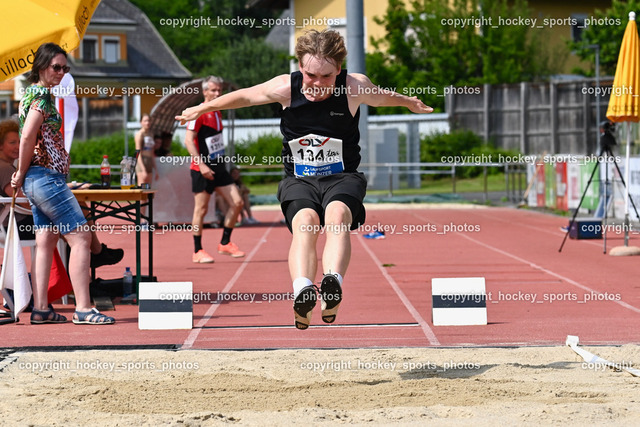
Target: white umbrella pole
x=627, y=182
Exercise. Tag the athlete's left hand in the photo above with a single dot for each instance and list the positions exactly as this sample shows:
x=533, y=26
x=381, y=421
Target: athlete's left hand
x=417, y=106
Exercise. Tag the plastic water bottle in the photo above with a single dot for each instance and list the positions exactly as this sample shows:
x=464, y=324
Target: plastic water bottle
x=132, y=169
x=125, y=173
x=127, y=282
x=105, y=172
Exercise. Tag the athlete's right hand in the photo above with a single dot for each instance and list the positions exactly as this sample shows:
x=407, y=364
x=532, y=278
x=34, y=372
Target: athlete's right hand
x=206, y=172
x=188, y=115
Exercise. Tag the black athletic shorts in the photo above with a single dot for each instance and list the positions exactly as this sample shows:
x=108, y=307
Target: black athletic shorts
x=221, y=178
x=316, y=192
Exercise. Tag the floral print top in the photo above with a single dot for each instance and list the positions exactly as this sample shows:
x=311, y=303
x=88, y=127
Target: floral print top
x=49, y=151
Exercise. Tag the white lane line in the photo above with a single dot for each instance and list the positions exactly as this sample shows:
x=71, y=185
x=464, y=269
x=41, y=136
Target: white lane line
x=549, y=272
x=359, y=325
x=193, y=335
x=545, y=270
x=431, y=336
x=558, y=233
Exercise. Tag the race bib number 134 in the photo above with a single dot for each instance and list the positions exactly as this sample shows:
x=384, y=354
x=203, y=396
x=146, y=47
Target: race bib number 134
x=316, y=155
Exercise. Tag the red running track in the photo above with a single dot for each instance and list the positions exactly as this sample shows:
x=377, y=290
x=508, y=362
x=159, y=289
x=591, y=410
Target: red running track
x=535, y=295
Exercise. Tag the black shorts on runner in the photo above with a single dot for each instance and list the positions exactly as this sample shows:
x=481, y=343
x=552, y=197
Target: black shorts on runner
x=316, y=192
x=221, y=178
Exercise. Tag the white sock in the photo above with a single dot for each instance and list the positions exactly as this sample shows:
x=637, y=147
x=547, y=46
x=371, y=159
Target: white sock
x=338, y=276
x=299, y=284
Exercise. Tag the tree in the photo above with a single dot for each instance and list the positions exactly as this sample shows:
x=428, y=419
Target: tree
x=220, y=37
x=606, y=29
x=247, y=62
x=196, y=30
x=432, y=47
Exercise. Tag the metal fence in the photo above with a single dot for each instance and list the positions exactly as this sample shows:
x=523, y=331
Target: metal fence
x=515, y=174
x=534, y=118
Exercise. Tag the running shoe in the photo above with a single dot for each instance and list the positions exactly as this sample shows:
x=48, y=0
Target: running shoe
x=230, y=249
x=331, y=295
x=375, y=235
x=303, y=306
x=201, y=257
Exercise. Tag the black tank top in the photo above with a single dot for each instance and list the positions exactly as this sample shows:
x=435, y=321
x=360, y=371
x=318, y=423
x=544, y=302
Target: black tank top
x=320, y=138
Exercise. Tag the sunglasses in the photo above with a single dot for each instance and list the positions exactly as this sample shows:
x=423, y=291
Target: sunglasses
x=58, y=67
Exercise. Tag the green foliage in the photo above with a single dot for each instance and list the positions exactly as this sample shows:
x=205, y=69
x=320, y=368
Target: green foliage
x=267, y=150
x=197, y=40
x=214, y=38
x=90, y=152
x=423, y=49
x=438, y=147
x=266, y=147
x=248, y=62
x=510, y=53
x=177, y=149
x=606, y=31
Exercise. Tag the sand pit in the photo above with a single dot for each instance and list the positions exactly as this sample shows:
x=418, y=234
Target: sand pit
x=530, y=385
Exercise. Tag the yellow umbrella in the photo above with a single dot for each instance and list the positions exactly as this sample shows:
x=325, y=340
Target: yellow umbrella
x=29, y=23
x=624, y=103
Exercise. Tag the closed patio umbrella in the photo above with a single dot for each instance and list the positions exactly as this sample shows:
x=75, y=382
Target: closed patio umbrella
x=624, y=106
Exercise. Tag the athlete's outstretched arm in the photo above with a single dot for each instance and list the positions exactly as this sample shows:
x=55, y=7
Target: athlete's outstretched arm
x=375, y=96
x=277, y=89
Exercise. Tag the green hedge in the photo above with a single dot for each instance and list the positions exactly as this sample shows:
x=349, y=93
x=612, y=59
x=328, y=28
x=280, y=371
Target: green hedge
x=441, y=147
x=265, y=148
x=433, y=148
x=90, y=152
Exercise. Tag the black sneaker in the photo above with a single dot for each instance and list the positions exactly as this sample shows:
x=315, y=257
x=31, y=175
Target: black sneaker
x=331, y=295
x=107, y=256
x=303, y=306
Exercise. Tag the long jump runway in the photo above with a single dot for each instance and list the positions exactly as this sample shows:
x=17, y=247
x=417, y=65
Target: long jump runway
x=535, y=295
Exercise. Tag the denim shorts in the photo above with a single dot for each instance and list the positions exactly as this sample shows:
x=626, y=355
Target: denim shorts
x=53, y=204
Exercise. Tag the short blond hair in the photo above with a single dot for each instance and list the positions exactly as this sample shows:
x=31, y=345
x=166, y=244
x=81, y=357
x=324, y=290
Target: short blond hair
x=326, y=44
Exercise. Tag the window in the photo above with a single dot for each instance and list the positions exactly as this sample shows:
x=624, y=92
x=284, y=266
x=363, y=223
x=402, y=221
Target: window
x=111, y=50
x=89, y=50
x=576, y=30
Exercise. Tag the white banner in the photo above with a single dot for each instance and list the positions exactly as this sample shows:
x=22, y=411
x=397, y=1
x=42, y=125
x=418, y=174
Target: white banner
x=67, y=105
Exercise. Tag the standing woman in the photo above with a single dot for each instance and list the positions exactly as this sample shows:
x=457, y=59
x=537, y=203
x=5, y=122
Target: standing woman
x=42, y=171
x=145, y=145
